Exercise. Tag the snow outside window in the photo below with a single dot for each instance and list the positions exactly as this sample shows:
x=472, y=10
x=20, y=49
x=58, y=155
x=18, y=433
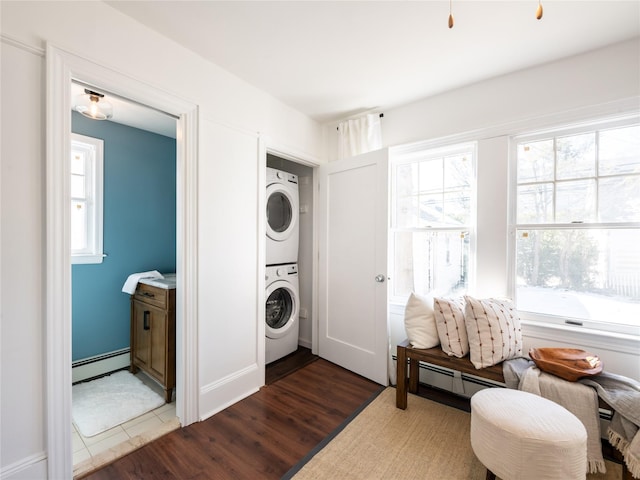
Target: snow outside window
x=576, y=226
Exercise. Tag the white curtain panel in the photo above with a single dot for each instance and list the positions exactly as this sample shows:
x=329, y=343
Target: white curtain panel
x=359, y=135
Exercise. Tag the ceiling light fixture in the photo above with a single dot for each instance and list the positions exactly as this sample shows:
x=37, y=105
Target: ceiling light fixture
x=539, y=12
x=91, y=106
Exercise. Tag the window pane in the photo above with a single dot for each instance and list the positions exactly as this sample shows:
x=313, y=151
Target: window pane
x=619, y=151
x=430, y=261
x=407, y=212
x=431, y=210
x=457, y=208
x=78, y=163
x=591, y=274
x=535, y=161
x=457, y=171
x=406, y=179
x=431, y=174
x=78, y=226
x=576, y=156
x=77, y=186
x=535, y=203
x=576, y=201
x=619, y=199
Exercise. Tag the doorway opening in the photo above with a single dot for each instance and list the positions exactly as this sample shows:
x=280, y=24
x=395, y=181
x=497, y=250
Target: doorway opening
x=305, y=264
x=62, y=69
x=135, y=188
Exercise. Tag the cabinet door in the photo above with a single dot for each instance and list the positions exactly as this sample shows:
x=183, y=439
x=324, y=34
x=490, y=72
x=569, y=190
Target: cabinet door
x=150, y=339
x=158, y=321
x=141, y=342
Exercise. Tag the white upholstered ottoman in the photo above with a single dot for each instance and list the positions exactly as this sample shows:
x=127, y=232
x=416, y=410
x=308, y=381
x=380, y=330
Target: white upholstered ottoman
x=519, y=435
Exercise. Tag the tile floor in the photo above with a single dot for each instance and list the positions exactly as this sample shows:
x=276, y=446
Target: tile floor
x=85, y=448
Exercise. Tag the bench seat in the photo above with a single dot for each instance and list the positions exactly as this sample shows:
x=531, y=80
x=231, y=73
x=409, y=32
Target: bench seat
x=435, y=356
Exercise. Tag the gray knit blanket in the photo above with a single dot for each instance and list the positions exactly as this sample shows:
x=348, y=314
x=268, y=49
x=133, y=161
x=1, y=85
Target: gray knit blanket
x=623, y=394
x=581, y=399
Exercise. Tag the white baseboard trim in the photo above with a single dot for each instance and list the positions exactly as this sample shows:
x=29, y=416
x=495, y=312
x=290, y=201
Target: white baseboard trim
x=33, y=466
x=218, y=395
x=99, y=365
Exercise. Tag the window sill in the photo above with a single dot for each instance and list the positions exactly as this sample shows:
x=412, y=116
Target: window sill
x=620, y=342
x=86, y=259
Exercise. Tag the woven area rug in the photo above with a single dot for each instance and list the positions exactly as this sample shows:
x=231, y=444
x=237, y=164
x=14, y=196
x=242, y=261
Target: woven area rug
x=428, y=440
x=109, y=401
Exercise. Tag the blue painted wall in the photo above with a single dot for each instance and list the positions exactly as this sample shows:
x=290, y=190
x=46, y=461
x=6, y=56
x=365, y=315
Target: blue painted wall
x=139, y=232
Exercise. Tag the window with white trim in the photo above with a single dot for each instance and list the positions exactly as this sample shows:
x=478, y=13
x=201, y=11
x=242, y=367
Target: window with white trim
x=86, y=199
x=576, y=225
x=432, y=213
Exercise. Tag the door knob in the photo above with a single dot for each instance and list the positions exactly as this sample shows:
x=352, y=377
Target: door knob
x=380, y=278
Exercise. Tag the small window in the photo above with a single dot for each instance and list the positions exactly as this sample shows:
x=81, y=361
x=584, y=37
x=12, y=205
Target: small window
x=577, y=226
x=86, y=199
x=431, y=219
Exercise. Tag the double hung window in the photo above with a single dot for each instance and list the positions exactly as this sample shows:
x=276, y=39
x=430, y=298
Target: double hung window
x=576, y=226
x=432, y=199
x=86, y=199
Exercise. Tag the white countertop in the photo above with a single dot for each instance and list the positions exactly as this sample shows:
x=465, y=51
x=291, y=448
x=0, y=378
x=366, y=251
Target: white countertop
x=168, y=282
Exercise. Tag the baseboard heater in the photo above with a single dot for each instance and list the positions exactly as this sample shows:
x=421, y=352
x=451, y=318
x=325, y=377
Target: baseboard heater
x=99, y=365
x=433, y=375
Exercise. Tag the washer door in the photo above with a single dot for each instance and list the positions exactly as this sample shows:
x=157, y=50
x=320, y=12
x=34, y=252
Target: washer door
x=282, y=213
x=281, y=309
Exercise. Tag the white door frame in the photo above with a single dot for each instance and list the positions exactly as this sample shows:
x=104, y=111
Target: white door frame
x=62, y=68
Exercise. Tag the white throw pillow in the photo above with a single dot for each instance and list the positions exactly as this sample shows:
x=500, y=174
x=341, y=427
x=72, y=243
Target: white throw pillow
x=419, y=322
x=449, y=313
x=494, y=332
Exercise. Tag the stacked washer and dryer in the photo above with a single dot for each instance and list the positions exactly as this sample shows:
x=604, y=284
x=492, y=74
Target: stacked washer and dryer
x=282, y=288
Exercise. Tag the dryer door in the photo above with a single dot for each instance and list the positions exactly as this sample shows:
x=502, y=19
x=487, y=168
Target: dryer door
x=282, y=212
x=281, y=309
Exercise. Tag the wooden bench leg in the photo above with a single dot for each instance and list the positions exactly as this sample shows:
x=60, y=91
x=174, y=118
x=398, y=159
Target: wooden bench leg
x=414, y=375
x=401, y=386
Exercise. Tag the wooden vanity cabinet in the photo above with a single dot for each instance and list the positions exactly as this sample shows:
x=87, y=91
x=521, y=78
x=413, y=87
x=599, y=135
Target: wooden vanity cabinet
x=153, y=335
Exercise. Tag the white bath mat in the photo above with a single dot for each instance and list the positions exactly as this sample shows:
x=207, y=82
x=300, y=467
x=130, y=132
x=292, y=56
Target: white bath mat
x=109, y=401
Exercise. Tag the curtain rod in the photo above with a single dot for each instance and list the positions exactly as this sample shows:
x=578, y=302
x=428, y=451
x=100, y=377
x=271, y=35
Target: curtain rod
x=381, y=115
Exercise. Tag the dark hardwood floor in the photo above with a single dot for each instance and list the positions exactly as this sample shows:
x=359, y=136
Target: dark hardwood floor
x=266, y=434
x=260, y=437
x=283, y=367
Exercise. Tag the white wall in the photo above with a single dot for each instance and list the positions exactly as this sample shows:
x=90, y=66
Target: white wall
x=232, y=115
x=601, y=82
x=22, y=264
x=525, y=99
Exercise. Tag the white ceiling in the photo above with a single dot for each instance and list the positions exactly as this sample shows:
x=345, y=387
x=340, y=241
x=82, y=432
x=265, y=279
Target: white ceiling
x=331, y=59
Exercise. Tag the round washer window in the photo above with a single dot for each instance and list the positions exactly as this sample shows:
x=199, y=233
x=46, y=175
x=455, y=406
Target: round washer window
x=279, y=212
x=279, y=308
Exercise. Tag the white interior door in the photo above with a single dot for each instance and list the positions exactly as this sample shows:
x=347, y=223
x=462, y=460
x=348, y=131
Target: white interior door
x=353, y=213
